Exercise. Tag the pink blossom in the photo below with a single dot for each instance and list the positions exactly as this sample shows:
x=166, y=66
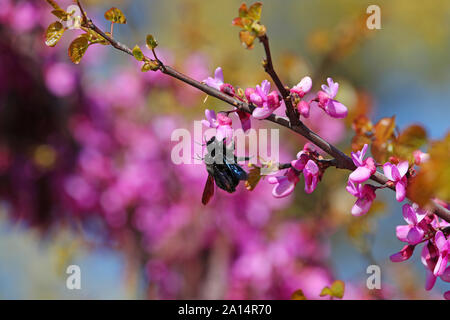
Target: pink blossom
x=396, y=173
x=420, y=157
x=60, y=79
x=443, y=247
x=429, y=257
x=217, y=81
x=403, y=254
x=303, y=108
x=365, y=194
x=302, y=87
x=326, y=100
x=311, y=174
x=413, y=232
x=365, y=168
x=446, y=275
x=284, y=185
x=222, y=123
x=244, y=117
x=447, y=295
x=302, y=159
x=266, y=103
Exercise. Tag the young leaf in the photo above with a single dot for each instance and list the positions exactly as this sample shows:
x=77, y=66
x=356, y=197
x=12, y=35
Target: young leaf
x=337, y=290
x=61, y=14
x=78, y=48
x=254, y=12
x=54, y=33
x=254, y=176
x=298, y=295
x=150, y=65
x=151, y=42
x=243, y=10
x=137, y=53
x=54, y=4
x=247, y=38
x=384, y=129
x=115, y=15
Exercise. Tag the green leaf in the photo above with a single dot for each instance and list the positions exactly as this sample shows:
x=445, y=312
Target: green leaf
x=254, y=12
x=298, y=295
x=54, y=4
x=137, y=53
x=61, y=14
x=337, y=290
x=151, y=42
x=150, y=65
x=78, y=48
x=115, y=15
x=254, y=176
x=54, y=33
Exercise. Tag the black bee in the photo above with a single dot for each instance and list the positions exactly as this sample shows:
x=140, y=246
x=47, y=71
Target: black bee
x=222, y=167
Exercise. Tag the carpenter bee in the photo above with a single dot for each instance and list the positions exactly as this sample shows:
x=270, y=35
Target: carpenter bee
x=222, y=167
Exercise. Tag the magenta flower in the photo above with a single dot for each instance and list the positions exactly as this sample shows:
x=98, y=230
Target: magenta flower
x=403, y=254
x=396, y=173
x=302, y=159
x=222, y=123
x=311, y=174
x=326, y=100
x=266, y=103
x=217, y=81
x=244, y=117
x=429, y=257
x=420, y=157
x=443, y=247
x=303, y=108
x=284, y=185
x=302, y=87
x=446, y=275
x=447, y=295
x=411, y=233
x=365, y=168
x=365, y=194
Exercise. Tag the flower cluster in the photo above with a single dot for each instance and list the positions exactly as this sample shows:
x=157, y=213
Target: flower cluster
x=266, y=101
x=306, y=163
x=365, y=194
x=424, y=227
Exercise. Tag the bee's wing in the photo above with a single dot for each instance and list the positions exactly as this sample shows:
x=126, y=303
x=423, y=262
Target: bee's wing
x=208, y=192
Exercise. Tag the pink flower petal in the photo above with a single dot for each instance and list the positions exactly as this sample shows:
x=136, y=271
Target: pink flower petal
x=400, y=191
x=447, y=295
x=440, y=265
x=261, y=113
x=430, y=280
x=402, y=233
x=409, y=215
x=446, y=275
x=360, y=175
x=387, y=169
x=283, y=188
x=415, y=235
x=361, y=207
x=336, y=109
x=403, y=168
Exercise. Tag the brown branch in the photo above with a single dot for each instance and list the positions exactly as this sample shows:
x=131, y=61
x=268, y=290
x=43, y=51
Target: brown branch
x=341, y=160
x=269, y=68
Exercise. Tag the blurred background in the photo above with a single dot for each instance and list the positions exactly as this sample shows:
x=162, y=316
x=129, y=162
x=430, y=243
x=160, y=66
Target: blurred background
x=85, y=170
